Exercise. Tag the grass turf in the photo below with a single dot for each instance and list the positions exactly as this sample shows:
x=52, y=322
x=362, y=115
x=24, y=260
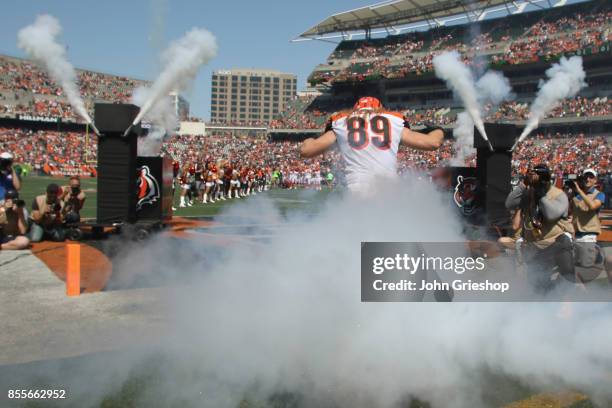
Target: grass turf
x=285, y=200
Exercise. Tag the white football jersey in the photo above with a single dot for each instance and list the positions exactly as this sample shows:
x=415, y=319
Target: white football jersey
x=368, y=142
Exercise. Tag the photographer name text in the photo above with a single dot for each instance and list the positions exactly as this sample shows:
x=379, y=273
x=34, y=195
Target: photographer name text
x=435, y=285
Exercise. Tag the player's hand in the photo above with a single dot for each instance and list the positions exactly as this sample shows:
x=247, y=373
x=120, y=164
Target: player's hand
x=429, y=128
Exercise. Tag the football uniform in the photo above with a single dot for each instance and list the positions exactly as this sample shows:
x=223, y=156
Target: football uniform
x=368, y=142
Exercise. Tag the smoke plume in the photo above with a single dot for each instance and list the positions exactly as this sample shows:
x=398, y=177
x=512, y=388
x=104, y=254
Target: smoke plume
x=463, y=133
x=284, y=315
x=565, y=80
x=277, y=313
x=181, y=62
x=459, y=78
x=163, y=120
x=39, y=41
x=492, y=88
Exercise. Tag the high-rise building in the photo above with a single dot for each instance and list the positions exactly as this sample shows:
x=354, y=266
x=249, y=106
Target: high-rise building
x=250, y=95
x=180, y=105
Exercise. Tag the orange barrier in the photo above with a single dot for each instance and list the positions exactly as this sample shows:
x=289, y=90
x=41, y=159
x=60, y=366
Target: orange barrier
x=73, y=269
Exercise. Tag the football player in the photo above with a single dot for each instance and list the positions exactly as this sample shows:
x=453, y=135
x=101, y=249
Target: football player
x=368, y=137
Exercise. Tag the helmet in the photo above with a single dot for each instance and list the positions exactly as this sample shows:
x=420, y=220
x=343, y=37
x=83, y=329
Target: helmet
x=368, y=102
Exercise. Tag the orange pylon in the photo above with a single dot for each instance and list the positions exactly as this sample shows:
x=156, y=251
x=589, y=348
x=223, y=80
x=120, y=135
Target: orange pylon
x=73, y=269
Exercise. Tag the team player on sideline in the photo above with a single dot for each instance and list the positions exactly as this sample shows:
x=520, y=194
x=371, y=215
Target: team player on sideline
x=368, y=138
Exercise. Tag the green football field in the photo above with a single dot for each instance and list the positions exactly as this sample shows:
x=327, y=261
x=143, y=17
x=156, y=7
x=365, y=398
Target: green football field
x=286, y=200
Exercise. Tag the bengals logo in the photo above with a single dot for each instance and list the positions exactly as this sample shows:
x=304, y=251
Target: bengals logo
x=148, y=188
x=465, y=194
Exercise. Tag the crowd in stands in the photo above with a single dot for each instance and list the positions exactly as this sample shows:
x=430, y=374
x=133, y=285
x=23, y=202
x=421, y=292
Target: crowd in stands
x=51, y=152
x=26, y=89
x=70, y=153
x=564, y=156
x=315, y=117
x=512, y=40
x=52, y=108
x=252, y=123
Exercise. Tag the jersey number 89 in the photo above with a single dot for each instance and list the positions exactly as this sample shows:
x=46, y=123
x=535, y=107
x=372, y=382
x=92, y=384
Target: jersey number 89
x=358, y=134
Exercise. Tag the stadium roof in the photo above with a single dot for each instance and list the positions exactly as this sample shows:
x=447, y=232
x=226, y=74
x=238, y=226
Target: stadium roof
x=402, y=12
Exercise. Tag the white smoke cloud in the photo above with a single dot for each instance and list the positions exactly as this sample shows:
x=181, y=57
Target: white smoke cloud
x=39, y=41
x=284, y=315
x=565, y=80
x=463, y=133
x=493, y=87
x=181, y=62
x=458, y=77
x=162, y=117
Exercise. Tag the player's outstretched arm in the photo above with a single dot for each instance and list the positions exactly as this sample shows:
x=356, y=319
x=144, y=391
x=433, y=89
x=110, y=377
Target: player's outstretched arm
x=314, y=147
x=423, y=141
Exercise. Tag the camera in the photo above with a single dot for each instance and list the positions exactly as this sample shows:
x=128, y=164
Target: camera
x=569, y=186
x=13, y=195
x=5, y=166
x=75, y=190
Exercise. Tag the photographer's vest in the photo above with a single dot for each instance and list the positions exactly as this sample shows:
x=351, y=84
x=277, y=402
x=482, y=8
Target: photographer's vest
x=41, y=201
x=586, y=220
x=551, y=230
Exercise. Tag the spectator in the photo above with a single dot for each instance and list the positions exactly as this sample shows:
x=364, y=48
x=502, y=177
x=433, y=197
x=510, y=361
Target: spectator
x=585, y=213
x=8, y=178
x=13, y=225
x=47, y=216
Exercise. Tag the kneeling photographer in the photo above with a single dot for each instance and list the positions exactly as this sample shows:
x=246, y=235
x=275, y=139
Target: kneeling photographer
x=47, y=216
x=546, y=228
x=586, y=203
x=73, y=198
x=13, y=225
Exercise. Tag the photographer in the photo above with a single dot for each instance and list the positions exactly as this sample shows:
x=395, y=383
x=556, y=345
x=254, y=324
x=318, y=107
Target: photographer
x=8, y=178
x=546, y=228
x=586, y=203
x=47, y=216
x=13, y=224
x=73, y=198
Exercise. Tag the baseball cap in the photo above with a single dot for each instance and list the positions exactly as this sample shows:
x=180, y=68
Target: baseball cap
x=6, y=156
x=587, y=171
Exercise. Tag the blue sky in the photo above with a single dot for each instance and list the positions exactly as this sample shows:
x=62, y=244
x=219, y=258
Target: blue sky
x=125, y=37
